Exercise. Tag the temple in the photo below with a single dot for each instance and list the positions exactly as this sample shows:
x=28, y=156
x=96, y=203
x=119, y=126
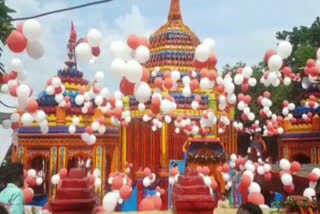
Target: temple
x=301, y=140
x=172, y=48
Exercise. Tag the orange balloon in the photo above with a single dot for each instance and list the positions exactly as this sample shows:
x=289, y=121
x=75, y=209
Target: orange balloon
x=158, y=82
x=63, y=172
x=204, y=73
x=212, y=61
x=168, y=83
x=117, y=113
x=32, y=106
x=212, y=75
x=167, y=75
x=157, y=202
x=145, y=75
x=199, y=65
x=194, y=84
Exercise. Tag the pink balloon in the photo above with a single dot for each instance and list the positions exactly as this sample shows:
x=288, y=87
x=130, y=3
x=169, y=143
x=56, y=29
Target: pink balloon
x=28, y=195
x=63, y=173
x=91, y=179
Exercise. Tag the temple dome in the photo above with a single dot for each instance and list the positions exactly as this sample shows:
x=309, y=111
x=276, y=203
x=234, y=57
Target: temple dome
x=173, y=45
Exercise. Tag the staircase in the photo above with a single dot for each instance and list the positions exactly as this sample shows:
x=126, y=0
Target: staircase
x=75, y=196
x=190, y=195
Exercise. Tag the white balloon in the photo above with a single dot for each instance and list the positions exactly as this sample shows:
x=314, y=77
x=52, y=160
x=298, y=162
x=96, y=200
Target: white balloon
x=286, y=179
x=291, y=106
x=92, y=139
x=284, y=49
x=249, y=173
x=72, y=129
x=142, y=54
x=254, y=187
x=55, y=179
x=207, y=181
x=95, y=126
x=238, y=79
x=35, y=49
x=27, y=119
x=4, y=88
x=39, y=181
x=98, y=100
x=247, y=72
x=194, y=105
x=110, y=201
x=79, y=100
x=275, y=63
x=134, y=71
x=205, y=83
x=97, y=182
x=99, y=76
x=252, y=82
x=232, y=164
x=210, y=43
x=142, y=92
x=59, y=98
x=32, y=30
x=226, y=177
x=175, y=75
x=171, y=180
x=186, y=81
x=118, y=67
x=23, y=91
x=232, y=99
x=202, y=53
x=285, y=164
x=32, y=173
x=105, y=93
x=316, y=171
x=309, y=193
x=260, y=170
x=167, y=119
x=186, y=91
x=40, y=116
x=251, y=116
x=16, y=65
x=267, y=167
x=94, y=37
x=233, y=157
x=141, y=107
x=287, y=81
x=83, y=52
x=146, y=182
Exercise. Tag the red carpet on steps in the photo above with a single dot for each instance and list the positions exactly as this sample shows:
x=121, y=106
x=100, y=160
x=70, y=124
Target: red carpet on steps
x=75, y=196
x=190, y=195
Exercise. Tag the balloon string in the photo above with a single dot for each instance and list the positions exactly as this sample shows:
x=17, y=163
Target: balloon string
x=61, y=10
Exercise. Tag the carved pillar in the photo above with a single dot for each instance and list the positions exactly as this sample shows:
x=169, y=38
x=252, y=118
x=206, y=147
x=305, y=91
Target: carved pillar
x=98, y=164
x=115, y=159
x=286, y=124
x=62, y=158
x=316, y=123
x=21, y=154
x=53, y=170
x=164, y=157
x=123, y=135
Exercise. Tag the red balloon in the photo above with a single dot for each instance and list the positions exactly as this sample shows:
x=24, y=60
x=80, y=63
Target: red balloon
x=28, y=195
x=311, y=63
x=212, y=61
x=267, y=94
x=13, y=90
x=256, y=198
x=155, y=105
x=32, y=106
x=92, y=179
x=31, y=181
x=63, y=173
x=133, y=41
x=95, y=51
x=158, y=82
x=125, y=192
x=245, y=87
x=199, y=65
x=127, y=87
x=58, y=90
x=289, y=188
x=145, y=75
x=146, y=204
x=16, y=42
x=220, y=88
x=267, y=176
x=247, y=99
x=313, y=177
x=5, y=78
x=286, y=71
x=117, y=113
x=194, y=84
x=157, y=202
x=245, y=180
x=269, y=54
x=225, y=168
x=117, y=182
x=168, y=83
x=204, y=73
x=89, y=130
x=295, y=166
x=13, y=75
x=212, y=75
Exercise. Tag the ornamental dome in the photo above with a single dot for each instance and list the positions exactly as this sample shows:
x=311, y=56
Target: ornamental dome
x=173, y=45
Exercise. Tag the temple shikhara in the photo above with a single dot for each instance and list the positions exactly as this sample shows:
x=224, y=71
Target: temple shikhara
x=178, y=137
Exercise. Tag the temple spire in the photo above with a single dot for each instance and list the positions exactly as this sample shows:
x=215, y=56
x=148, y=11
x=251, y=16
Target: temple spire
x=175, y=11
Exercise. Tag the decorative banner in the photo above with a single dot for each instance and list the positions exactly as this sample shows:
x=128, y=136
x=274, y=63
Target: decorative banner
x=53, y=170
x=62, y=157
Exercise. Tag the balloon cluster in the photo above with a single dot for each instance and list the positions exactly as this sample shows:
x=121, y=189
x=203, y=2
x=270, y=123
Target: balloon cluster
x=245, y=79
x=186, y=125
x=274, y=59
x=73, y=126
x=204, y=54
x=32, y=178
x=89, y=46
x=272, y=127
x=210, y=182
x=312, y=69
x=313, y=178
x=266, y=103
x=287, y=107
x=243, y=105
x=88, y=136
x=152, y=203
x=55, y=179
x=312, y=102
x=149, y=177
x=27, y=37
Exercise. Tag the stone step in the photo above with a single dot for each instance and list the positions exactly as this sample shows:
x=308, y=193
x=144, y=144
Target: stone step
x=75, y=193
x=191, y=190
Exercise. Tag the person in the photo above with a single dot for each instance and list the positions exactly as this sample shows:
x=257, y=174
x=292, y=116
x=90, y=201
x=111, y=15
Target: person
x=223, y=202
x=12, y=196
x=3, y=210
x=249, y=208
x=257, y=147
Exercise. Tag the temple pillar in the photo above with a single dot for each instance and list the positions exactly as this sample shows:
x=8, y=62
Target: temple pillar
x=98, y=165
x=53, y=170
x=286, y=124
x=60, y=116
x=316, y=123
x=115, y=159
x=164, y=156
x=123, y=135
x=62, y=163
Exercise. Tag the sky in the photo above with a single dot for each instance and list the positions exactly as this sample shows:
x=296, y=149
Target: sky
x=243, y=30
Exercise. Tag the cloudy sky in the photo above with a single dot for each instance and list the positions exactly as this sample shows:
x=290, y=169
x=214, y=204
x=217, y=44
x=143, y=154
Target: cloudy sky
x=243, y=30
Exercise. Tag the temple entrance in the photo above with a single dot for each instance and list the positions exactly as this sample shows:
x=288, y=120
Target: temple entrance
x=41, y=165
x=301, y=158
x=80, y=160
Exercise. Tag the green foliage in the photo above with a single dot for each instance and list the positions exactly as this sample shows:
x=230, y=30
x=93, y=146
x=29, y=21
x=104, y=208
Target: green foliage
x=5, y=26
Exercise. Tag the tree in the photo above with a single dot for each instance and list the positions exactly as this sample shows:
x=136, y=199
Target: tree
x=5, y=27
